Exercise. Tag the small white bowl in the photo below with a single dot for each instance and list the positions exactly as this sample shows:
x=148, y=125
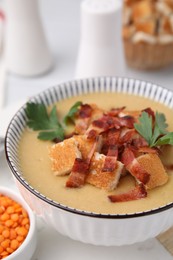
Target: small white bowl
x=90, y=227
x=27, y=248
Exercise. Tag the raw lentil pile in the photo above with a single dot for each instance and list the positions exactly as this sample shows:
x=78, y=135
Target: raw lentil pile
x=14, y=225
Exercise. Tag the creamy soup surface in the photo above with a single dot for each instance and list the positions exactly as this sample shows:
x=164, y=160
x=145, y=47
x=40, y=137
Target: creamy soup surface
x=36, y=164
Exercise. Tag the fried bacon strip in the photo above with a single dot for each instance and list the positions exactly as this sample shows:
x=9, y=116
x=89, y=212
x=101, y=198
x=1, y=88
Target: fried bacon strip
x=92, y=134
x=113, y=136
x=83, y=118
x=111, y=143
x=95, y=148
x=139, y=142
x=111, y=159
x=99, y=126
x=128, y=136
x=85, y=111
x=80, y=168
x=137, y=193
x=132, y=165
x=104, y=123
x=116, y=111
x=127, y=121
x=107, y=122
x=78, y=175
x=150, y=112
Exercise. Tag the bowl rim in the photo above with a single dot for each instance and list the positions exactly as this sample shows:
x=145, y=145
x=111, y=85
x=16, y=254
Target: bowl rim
x=65, y=207
x=32, y=228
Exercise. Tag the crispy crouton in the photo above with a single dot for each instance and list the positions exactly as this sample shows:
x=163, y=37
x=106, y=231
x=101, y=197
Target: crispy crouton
x=142, y=10
x=63, y=155
x=153, y=165
x=100, y=179
x=147, y=26
x=84, y=145
x=81, y=125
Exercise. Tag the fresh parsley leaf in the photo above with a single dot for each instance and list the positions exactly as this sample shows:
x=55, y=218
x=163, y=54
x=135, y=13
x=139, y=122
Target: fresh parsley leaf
x=166, y=139
x=144, y=128
x=159, y=127
x=37, y=116
x=39, y=119
x=155, y=135
x=51, y=135
x=73, y=110
x=161, y=123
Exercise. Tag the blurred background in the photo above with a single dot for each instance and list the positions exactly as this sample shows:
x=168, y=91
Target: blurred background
x=61, y=22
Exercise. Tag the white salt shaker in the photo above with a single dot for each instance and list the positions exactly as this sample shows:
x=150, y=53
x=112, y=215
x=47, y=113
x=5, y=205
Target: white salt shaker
x=100, y=24
x=26, y=49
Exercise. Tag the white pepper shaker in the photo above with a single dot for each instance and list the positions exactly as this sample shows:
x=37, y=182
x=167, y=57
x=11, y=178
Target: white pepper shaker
x=26, y=49
x=100, y=24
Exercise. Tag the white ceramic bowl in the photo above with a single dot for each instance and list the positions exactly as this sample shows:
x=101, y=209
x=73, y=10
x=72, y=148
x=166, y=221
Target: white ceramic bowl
x=27, y=248
x=90, y=227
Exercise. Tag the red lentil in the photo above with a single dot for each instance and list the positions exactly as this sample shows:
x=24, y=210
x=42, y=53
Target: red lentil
x=14, y=225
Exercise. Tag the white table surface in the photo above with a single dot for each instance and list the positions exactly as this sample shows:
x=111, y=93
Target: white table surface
x=62, y=25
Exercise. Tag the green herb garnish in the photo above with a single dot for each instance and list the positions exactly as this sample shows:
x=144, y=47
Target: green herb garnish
x=39, y=119
x=73, y=110
x=154, y=135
